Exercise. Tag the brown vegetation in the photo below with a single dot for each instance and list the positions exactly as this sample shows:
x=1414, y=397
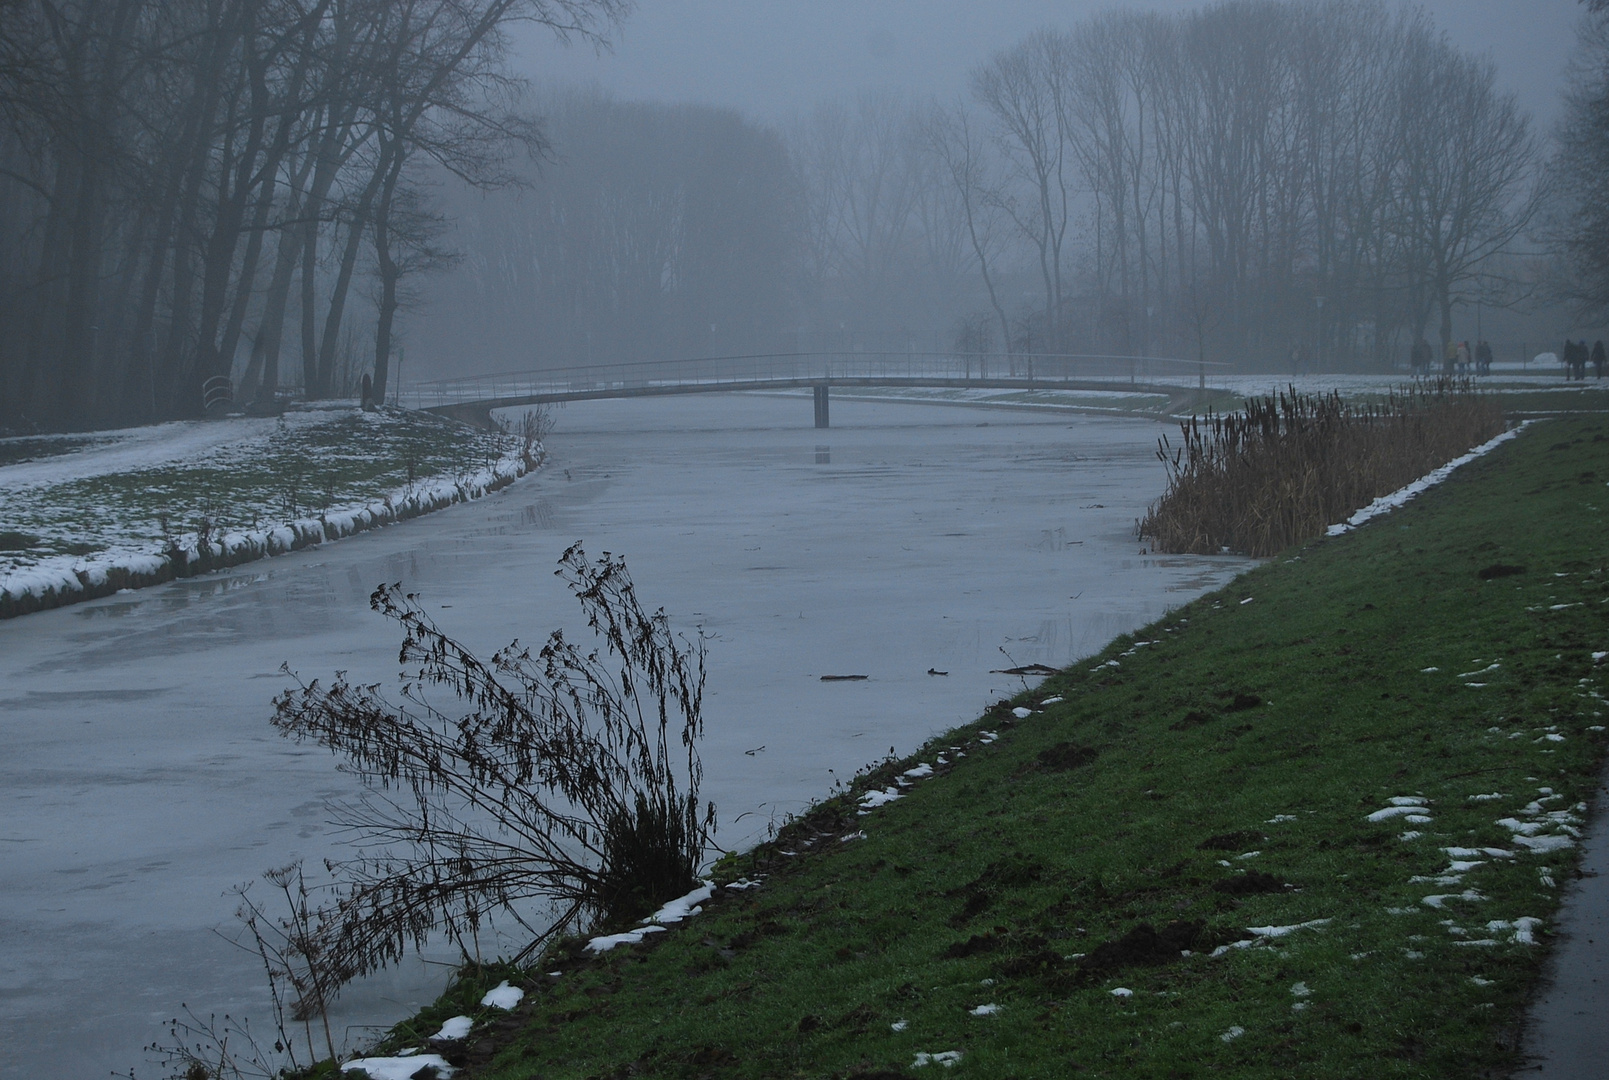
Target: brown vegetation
x=1292, y=464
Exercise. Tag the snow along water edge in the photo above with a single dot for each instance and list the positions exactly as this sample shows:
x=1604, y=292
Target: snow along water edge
x=71, y=579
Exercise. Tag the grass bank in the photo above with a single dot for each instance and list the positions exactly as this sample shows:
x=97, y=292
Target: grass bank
x=1314, y=824
x=85, y=518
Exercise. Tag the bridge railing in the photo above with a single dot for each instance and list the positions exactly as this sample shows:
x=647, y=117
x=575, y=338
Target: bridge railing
x=725, y=371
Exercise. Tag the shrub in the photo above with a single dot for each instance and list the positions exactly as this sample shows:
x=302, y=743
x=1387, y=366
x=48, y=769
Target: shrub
x=1292, y=464
x=571, y=776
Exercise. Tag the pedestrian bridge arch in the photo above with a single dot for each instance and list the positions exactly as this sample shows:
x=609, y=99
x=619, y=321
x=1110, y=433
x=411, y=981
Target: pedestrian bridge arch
x=474, y=398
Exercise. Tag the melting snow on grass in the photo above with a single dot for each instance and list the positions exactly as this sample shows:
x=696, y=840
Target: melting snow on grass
x=984, y=1010
x=631, y=937
x=399, y=1068
x=1264, y=934
x=873, y=799
x=947, y=1058
x=1386, y=503
x=502, y=996
x=1439, y=900
x=454, y=1028
x=683, y=907
x=132, y=511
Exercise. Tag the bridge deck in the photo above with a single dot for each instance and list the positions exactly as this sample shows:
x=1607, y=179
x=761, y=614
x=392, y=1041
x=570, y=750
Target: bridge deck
x=473, y=399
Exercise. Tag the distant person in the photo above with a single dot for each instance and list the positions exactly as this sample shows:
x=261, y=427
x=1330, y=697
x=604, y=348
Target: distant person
x=1483, y=359
x=1599, y=359
x=1575, y=360
x=1463, y=358
x=1449, y=363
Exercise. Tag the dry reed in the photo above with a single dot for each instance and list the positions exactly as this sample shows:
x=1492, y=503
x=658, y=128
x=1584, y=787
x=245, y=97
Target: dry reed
x=1292, y=464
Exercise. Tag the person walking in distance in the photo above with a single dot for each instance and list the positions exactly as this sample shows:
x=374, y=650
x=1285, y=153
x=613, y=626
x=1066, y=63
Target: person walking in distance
x=1483, y=358
x=1599, y=359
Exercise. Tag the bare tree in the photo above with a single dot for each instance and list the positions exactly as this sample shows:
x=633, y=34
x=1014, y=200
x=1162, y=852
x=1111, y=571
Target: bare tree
x=1467, y=170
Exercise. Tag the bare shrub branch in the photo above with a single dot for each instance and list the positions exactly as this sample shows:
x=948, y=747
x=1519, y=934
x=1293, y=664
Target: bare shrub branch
x=568, y=775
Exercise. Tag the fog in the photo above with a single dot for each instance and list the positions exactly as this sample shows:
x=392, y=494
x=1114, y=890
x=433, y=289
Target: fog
x=290, y=200
x=773, y=58
x=1274, y=186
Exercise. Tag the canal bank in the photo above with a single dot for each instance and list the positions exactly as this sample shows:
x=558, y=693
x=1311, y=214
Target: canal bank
x=143, y=781
x=1316, y=823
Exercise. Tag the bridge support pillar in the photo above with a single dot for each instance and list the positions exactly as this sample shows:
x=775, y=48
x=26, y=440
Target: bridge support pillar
x=821, y=405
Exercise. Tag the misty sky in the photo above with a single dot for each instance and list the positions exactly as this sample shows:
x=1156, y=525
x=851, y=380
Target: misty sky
x=772, y=58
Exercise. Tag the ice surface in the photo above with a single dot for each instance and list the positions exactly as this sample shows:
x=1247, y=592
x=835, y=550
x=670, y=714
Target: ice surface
x=141, y=779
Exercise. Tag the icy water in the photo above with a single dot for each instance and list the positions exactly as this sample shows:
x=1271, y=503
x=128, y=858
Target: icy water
x=141, y=779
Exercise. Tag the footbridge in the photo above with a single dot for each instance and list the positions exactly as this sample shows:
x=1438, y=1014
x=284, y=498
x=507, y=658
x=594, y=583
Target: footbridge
x=472, y=399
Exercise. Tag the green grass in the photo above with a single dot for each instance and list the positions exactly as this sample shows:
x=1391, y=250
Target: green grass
x=1273, y=716
x=299, y=470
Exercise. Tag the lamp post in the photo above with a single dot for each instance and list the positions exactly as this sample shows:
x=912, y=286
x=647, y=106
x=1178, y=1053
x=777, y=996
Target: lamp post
x=1318, y=333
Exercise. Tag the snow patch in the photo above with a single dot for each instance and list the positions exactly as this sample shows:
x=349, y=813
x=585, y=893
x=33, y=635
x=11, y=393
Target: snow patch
x=398, y=1068
x=630, y=937
x=502, y=996
x=453, y=1028
x=947, y=1058
x=1386, y=503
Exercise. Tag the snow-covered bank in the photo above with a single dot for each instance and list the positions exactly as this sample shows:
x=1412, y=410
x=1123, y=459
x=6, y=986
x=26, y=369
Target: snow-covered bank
x=1386, y=503
x=150, y=460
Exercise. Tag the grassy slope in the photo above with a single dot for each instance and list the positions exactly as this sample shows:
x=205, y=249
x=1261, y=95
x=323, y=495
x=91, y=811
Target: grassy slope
x=1031, y=861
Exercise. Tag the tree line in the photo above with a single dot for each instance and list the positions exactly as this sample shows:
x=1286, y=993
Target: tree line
x=258, y=188
x=1255, y=179
x=1252, y=179
x=200, y=188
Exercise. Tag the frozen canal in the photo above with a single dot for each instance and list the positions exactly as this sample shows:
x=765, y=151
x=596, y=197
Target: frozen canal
x=141, y=779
